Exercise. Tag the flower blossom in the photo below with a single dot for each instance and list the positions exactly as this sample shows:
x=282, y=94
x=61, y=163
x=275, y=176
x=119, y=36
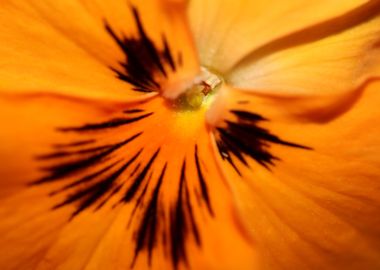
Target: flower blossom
x=199, y=134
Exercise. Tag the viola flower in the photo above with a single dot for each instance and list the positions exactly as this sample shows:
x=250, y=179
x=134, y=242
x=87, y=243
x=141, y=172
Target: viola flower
x=200, y=134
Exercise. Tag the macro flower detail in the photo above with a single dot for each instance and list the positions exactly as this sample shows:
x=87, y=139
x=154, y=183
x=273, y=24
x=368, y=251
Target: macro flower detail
x=189, y=134
x=100, y=172
x=143, y=58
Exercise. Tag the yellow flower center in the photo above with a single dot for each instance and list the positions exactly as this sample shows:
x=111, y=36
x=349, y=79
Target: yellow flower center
x=200, y=94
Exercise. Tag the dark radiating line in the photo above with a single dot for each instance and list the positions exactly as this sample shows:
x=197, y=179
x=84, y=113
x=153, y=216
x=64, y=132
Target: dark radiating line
x=116, y=189
x=142, y=86
x=139, y=200
x=149, y=225
x=232, y=145
x=139, y=72
x=182, y=222
x=249, y=116
x=164, y=238
x=144, y=61
x=168, y=55
x=74, y=144
x=202, y=182
x=244, y=138
x=86, y=178
x=245, y=130
x=178, y=227
x=60, y=171
x=116, y=122
x=142, y=90
x=136, y=183
x=96, y=173
x=224, y=153
x=133, y=111
x=135, y=169
x=61, y=154
x=148, y=44
x=191, y=217
x=97, y=190
x=114, y=36
x=247, y=145
x=137, y=75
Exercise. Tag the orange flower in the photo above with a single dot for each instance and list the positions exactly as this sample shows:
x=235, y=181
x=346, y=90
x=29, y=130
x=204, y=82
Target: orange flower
x=194, y=134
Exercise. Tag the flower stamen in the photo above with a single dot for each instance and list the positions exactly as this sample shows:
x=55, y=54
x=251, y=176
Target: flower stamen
x=201, y=93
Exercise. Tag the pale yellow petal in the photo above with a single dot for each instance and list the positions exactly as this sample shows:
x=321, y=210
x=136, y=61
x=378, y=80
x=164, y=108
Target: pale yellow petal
x=327, y=65
x=227, y=30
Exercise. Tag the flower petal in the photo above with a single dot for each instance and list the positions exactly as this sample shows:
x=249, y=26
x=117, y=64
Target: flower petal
x=64, y=47
x=30, y=122
x=226, y=31
x=327, y=64
x=167, y=204
x=316, y=208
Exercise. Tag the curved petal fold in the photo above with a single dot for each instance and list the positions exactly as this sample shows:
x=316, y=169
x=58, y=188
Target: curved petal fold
x=329, y=71
x=227, y=31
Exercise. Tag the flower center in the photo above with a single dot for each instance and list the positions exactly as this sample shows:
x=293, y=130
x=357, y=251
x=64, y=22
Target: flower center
x=200, y=94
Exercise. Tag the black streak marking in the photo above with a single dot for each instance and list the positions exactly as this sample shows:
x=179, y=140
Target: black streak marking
x=74, y=144
x=61, y=154
x=224, y=153
x=244, y=137
x=116, y=122
x=96, y=191
x=60, y=171
x=135, y=169
x=85, y=179
x=90, y=172
x=148, y=227
x=116, y=189
x=182, y=223
x=133, y=111
x=139, y=201
x=136, y=183
x=202, y=182
x=168, y=55
x=144, y=62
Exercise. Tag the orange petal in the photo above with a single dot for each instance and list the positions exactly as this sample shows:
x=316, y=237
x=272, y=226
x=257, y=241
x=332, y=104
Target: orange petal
x=310, y=208
x=64, y=47
x=227, y=31
x=30, y=123
x=168, y=205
